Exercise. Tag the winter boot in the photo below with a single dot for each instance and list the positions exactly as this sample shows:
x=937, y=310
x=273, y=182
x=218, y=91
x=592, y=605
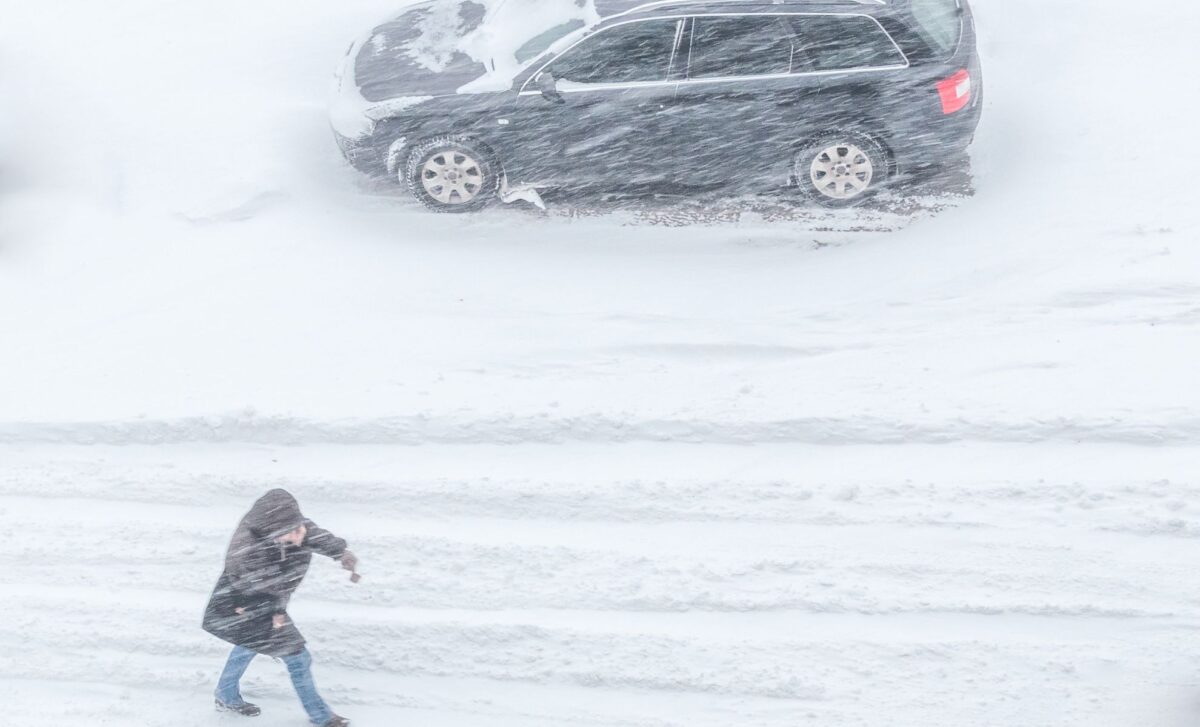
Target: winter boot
x=245, y=708
x=336, y=721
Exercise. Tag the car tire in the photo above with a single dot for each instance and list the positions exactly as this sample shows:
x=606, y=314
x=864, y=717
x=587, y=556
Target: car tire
x=451, y=174
x=841, y=169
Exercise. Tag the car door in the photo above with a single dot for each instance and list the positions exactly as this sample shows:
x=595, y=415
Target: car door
x=599, y=118
x=861, y=68
x=745, y=102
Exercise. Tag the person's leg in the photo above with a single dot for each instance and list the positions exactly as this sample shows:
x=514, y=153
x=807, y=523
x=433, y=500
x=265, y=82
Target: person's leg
x=228, y=690
x=299, y=666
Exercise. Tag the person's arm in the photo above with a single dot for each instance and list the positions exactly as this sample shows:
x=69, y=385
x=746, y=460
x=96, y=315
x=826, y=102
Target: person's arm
x=322, y=541
x=326, y=543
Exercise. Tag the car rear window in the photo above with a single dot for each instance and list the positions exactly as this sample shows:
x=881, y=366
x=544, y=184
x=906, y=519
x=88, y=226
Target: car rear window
x=939, y=23
x=741, y=46
x=845, y=42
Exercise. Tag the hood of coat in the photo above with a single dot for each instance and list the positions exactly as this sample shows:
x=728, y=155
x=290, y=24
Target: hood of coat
x=275, y=513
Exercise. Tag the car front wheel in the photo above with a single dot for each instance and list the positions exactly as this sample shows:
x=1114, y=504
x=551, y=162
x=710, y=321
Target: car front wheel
x=841, y=170
x=450, y=174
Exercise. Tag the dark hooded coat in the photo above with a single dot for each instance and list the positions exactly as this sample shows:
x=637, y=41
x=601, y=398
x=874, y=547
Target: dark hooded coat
x=261, y=575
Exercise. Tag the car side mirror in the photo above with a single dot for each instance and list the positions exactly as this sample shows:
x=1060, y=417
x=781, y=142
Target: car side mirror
x=548, y=85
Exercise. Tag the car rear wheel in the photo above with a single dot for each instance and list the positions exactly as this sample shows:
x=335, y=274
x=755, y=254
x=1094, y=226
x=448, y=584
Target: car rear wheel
x=841, y=170
x=450, y=174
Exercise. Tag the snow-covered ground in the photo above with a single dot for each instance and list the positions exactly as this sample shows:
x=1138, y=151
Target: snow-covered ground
x=624, y=584
x=929, y=464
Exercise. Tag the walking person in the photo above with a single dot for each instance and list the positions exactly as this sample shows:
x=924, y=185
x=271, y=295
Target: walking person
x=266, y=561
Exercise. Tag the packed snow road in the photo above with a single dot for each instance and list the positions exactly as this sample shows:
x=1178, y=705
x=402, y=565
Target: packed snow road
x=630, y=584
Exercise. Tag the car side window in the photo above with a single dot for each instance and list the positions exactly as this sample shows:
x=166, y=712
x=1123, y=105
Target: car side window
x=635, y=52
x=741, y=46
x=844, y=42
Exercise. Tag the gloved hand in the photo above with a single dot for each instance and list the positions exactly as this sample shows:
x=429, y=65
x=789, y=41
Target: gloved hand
x=349, y=561
x=278, y=621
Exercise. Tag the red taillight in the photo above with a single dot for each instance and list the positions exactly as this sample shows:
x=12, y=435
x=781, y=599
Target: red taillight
x=955, y=92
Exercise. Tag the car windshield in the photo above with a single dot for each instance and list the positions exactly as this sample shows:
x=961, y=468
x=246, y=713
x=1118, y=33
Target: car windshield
x=538, y=45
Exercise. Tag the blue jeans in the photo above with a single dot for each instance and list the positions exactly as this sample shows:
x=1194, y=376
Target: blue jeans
x=299, y=668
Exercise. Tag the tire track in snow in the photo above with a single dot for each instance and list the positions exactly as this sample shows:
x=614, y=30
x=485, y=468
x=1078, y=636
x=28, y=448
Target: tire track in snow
x=489, y=566
x=250, y=428
x=1142, y=505
x=803, y=667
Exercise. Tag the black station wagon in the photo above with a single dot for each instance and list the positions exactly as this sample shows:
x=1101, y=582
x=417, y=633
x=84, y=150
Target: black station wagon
x=834, y=98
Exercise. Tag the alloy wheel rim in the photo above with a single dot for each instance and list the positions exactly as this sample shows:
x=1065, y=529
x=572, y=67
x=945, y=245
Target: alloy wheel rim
x=452, y=177
x=841, y=171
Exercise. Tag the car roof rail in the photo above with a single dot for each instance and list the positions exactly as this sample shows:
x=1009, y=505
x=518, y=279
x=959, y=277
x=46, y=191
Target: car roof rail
x=613, y=8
